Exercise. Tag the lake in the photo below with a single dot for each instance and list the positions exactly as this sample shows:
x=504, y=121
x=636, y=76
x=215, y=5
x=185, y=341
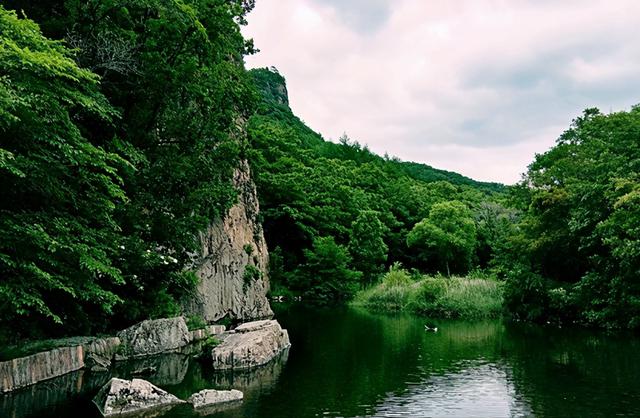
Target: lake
x=346, y=362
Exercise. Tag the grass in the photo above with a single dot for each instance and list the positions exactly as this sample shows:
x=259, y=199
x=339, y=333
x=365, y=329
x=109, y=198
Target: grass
x=27, y=348
x=473, y=297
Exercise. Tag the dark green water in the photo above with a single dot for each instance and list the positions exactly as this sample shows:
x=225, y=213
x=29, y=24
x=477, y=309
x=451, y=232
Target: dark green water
x=348, y=363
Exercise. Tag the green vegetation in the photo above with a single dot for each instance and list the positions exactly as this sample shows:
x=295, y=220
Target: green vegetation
x=335, y=215
x=122, y=121
x=575, y=253
x=117, y=146
x=195, y=322
x=472, y=297
x=447, y=235
x=564, y=241
x=33, y=347
x=251, y=274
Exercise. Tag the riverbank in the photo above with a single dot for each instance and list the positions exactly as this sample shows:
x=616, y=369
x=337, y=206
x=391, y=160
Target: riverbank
x=471, y=297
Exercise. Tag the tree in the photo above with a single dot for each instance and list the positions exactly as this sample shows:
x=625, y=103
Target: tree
x=173, y=74
x=581, y=226
x=447, y=235
x=367, y=246
x=325, y=274
x=59, y=190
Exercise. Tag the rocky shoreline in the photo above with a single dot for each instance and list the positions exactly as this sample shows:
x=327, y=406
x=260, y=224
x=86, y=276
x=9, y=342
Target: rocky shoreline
x=248, y=346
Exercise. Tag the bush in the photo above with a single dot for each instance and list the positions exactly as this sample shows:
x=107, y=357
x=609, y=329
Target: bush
x=195, y=322
x=396, y=276
x=458, y=297
x=455, y=297
x=385, y=298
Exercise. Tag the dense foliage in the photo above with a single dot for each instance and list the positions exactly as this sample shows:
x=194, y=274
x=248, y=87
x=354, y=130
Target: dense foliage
x=59, y=189
x=566, y=239
x=472, y=297
x=311, y=189
x=576, y=255
x=110, y=173
x=122, y=121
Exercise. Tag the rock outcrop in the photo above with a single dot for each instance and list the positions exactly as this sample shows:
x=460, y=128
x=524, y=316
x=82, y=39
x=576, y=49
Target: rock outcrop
x=119, y=397
x=25, y=371
x=209, y=397
x=232, y=266
x=73, y=354
x=206, y=332
x=250, y=345
x=153, y=337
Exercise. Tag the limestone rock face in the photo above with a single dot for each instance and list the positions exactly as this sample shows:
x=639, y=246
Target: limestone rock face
x=153, y=337
x=250, y=345
x=210, y=397
x=119, y=397
x=232, y=266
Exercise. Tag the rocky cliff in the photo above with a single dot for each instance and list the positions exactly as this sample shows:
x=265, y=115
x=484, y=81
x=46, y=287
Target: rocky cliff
x=233, y=264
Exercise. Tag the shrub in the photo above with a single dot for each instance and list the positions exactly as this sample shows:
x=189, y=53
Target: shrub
x=396, y=276
x=195, y=322
x=455, y=297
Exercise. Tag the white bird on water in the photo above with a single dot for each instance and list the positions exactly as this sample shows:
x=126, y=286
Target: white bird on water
x=428, y=328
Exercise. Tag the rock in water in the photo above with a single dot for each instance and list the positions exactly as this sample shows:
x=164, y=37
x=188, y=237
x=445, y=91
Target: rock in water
x=249, y=345
x=209, y=397
x=120, y=397
x=154, y=337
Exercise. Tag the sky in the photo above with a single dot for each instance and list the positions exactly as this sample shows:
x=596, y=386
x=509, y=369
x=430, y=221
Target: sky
x=477, y=87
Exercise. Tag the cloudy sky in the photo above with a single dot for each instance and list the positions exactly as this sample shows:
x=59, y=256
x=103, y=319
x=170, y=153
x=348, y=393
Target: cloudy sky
x=476, y=87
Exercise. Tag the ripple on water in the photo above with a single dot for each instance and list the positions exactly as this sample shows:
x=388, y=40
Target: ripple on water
x=475, y=390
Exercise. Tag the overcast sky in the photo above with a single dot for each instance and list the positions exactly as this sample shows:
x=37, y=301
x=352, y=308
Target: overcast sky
x=476, y=87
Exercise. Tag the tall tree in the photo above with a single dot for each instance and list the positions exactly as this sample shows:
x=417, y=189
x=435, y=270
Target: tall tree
x=447, y=235
x=367, y=246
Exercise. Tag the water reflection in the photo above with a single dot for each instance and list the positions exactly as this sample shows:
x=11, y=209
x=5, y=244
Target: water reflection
x=351, y=363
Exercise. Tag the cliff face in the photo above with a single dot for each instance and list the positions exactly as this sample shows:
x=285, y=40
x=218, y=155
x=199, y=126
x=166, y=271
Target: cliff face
x=233, y=264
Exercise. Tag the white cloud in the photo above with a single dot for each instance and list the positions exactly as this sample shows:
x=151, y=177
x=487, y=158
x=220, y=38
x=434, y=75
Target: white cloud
x=469, y=86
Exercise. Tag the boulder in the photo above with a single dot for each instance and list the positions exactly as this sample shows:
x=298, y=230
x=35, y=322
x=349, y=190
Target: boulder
x=119, y=397
x=209, y=397
x=25, y=371
x=153, y=337
x=250, y=345
x=99, y=352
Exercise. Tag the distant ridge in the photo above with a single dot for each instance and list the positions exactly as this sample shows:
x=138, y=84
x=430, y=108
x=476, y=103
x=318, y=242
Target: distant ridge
x=274, y=99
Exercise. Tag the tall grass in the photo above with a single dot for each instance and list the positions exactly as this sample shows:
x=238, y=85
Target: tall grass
x=476, y=296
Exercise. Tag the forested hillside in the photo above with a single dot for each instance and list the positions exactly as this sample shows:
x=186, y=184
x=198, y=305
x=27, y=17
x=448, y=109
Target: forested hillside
x=565, y=241
x=337, y=215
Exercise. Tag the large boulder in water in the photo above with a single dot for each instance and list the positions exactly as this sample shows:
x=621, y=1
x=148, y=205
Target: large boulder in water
x=120, y=397
x=249, y=345
x=153, y=337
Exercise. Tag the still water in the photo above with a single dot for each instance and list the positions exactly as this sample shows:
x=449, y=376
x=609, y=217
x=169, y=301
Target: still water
x=350, y=363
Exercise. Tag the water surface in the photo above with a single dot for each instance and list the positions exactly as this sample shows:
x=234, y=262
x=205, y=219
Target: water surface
x=350, y=363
